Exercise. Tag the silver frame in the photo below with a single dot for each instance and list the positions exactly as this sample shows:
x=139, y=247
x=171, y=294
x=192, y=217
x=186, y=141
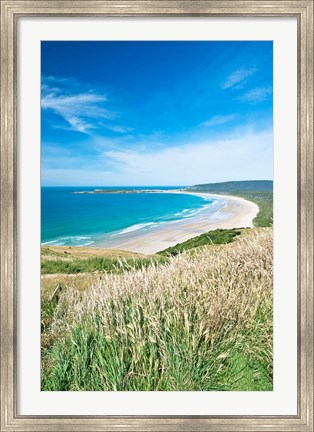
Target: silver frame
x=10, y=11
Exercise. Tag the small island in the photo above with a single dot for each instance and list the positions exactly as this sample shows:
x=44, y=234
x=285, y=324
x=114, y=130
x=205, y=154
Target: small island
x=122, y=191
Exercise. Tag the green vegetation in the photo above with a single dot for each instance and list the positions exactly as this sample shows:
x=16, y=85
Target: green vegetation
x=201, y=321
x=260, y=192
x=233, y=187
x=218, y=236
x=93, y=264
x=264, y=200
x=47, y=313
x=174, y=321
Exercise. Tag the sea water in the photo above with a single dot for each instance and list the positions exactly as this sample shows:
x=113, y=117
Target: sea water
x=80, y=219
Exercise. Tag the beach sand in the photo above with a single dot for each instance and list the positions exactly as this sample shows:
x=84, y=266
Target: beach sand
x=237, y=213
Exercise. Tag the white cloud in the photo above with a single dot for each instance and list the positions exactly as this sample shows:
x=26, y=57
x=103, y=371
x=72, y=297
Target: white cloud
x=54, y=79
x=117, y=128
x=238, y=158
x=242, y=157
x=218, y=120
x=237, y=77
x=80, y=111
x=256, y=95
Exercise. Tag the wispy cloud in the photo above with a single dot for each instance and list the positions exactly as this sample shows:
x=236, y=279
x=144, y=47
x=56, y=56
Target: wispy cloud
x=237, y=78
x=218, y=120
x=256, y=95
x=81, y=111
x=243, y=157
x=120, y=127
x=54, y=79
x=117, y=128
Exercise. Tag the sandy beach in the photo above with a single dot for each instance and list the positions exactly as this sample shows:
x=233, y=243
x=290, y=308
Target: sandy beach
x=236, y=213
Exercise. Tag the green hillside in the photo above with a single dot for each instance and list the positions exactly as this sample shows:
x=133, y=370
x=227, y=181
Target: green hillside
x=258, y=191
x=235, y=186
x=215, y=237
x=200, y=322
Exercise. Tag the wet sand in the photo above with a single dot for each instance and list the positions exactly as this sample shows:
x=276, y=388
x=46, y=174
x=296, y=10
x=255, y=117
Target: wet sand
x=236, y=213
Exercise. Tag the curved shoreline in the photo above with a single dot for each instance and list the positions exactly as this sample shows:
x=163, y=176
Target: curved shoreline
x=237, y=213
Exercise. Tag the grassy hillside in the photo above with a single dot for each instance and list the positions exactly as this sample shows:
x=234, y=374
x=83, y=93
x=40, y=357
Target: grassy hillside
x=83, y=266
x=258, y=191
x=80, y=252
x=201, y=321
x=215, y=237
x=70, y=260
x=235, y=186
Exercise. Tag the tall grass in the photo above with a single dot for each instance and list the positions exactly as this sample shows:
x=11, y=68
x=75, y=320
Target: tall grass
x=93, y=264
x=199, y=322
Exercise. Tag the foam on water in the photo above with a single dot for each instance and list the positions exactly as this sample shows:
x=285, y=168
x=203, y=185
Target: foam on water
x=212, y=210
x=135, y=228
x=70, y=241
x=70, y=218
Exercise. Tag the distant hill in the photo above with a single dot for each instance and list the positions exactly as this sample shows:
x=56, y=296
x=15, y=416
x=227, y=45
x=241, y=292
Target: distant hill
x=234, y=187
x=258, y=191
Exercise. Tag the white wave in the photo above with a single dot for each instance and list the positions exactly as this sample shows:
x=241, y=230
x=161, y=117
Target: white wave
x=78, y=237
x=209, y=209
x=88, y=243
x=195, y=212
x=70, y=241
x=219, y=203
x=180, y=213
x=135, y=228
x=50, y=242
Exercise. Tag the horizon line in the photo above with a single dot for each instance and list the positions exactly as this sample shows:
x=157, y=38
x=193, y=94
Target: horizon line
x=150, y=185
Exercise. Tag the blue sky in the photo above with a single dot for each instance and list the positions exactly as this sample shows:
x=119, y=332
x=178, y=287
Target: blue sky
x=156, y=113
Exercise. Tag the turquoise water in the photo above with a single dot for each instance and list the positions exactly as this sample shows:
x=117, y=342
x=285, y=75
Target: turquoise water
x=80, y=219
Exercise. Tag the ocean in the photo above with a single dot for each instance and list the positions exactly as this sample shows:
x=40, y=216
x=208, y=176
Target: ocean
x=75, y=219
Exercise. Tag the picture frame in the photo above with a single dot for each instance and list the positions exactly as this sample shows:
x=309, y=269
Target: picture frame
x=11, y=11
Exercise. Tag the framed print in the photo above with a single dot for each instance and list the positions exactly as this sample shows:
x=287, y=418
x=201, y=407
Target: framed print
x=157, y=215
